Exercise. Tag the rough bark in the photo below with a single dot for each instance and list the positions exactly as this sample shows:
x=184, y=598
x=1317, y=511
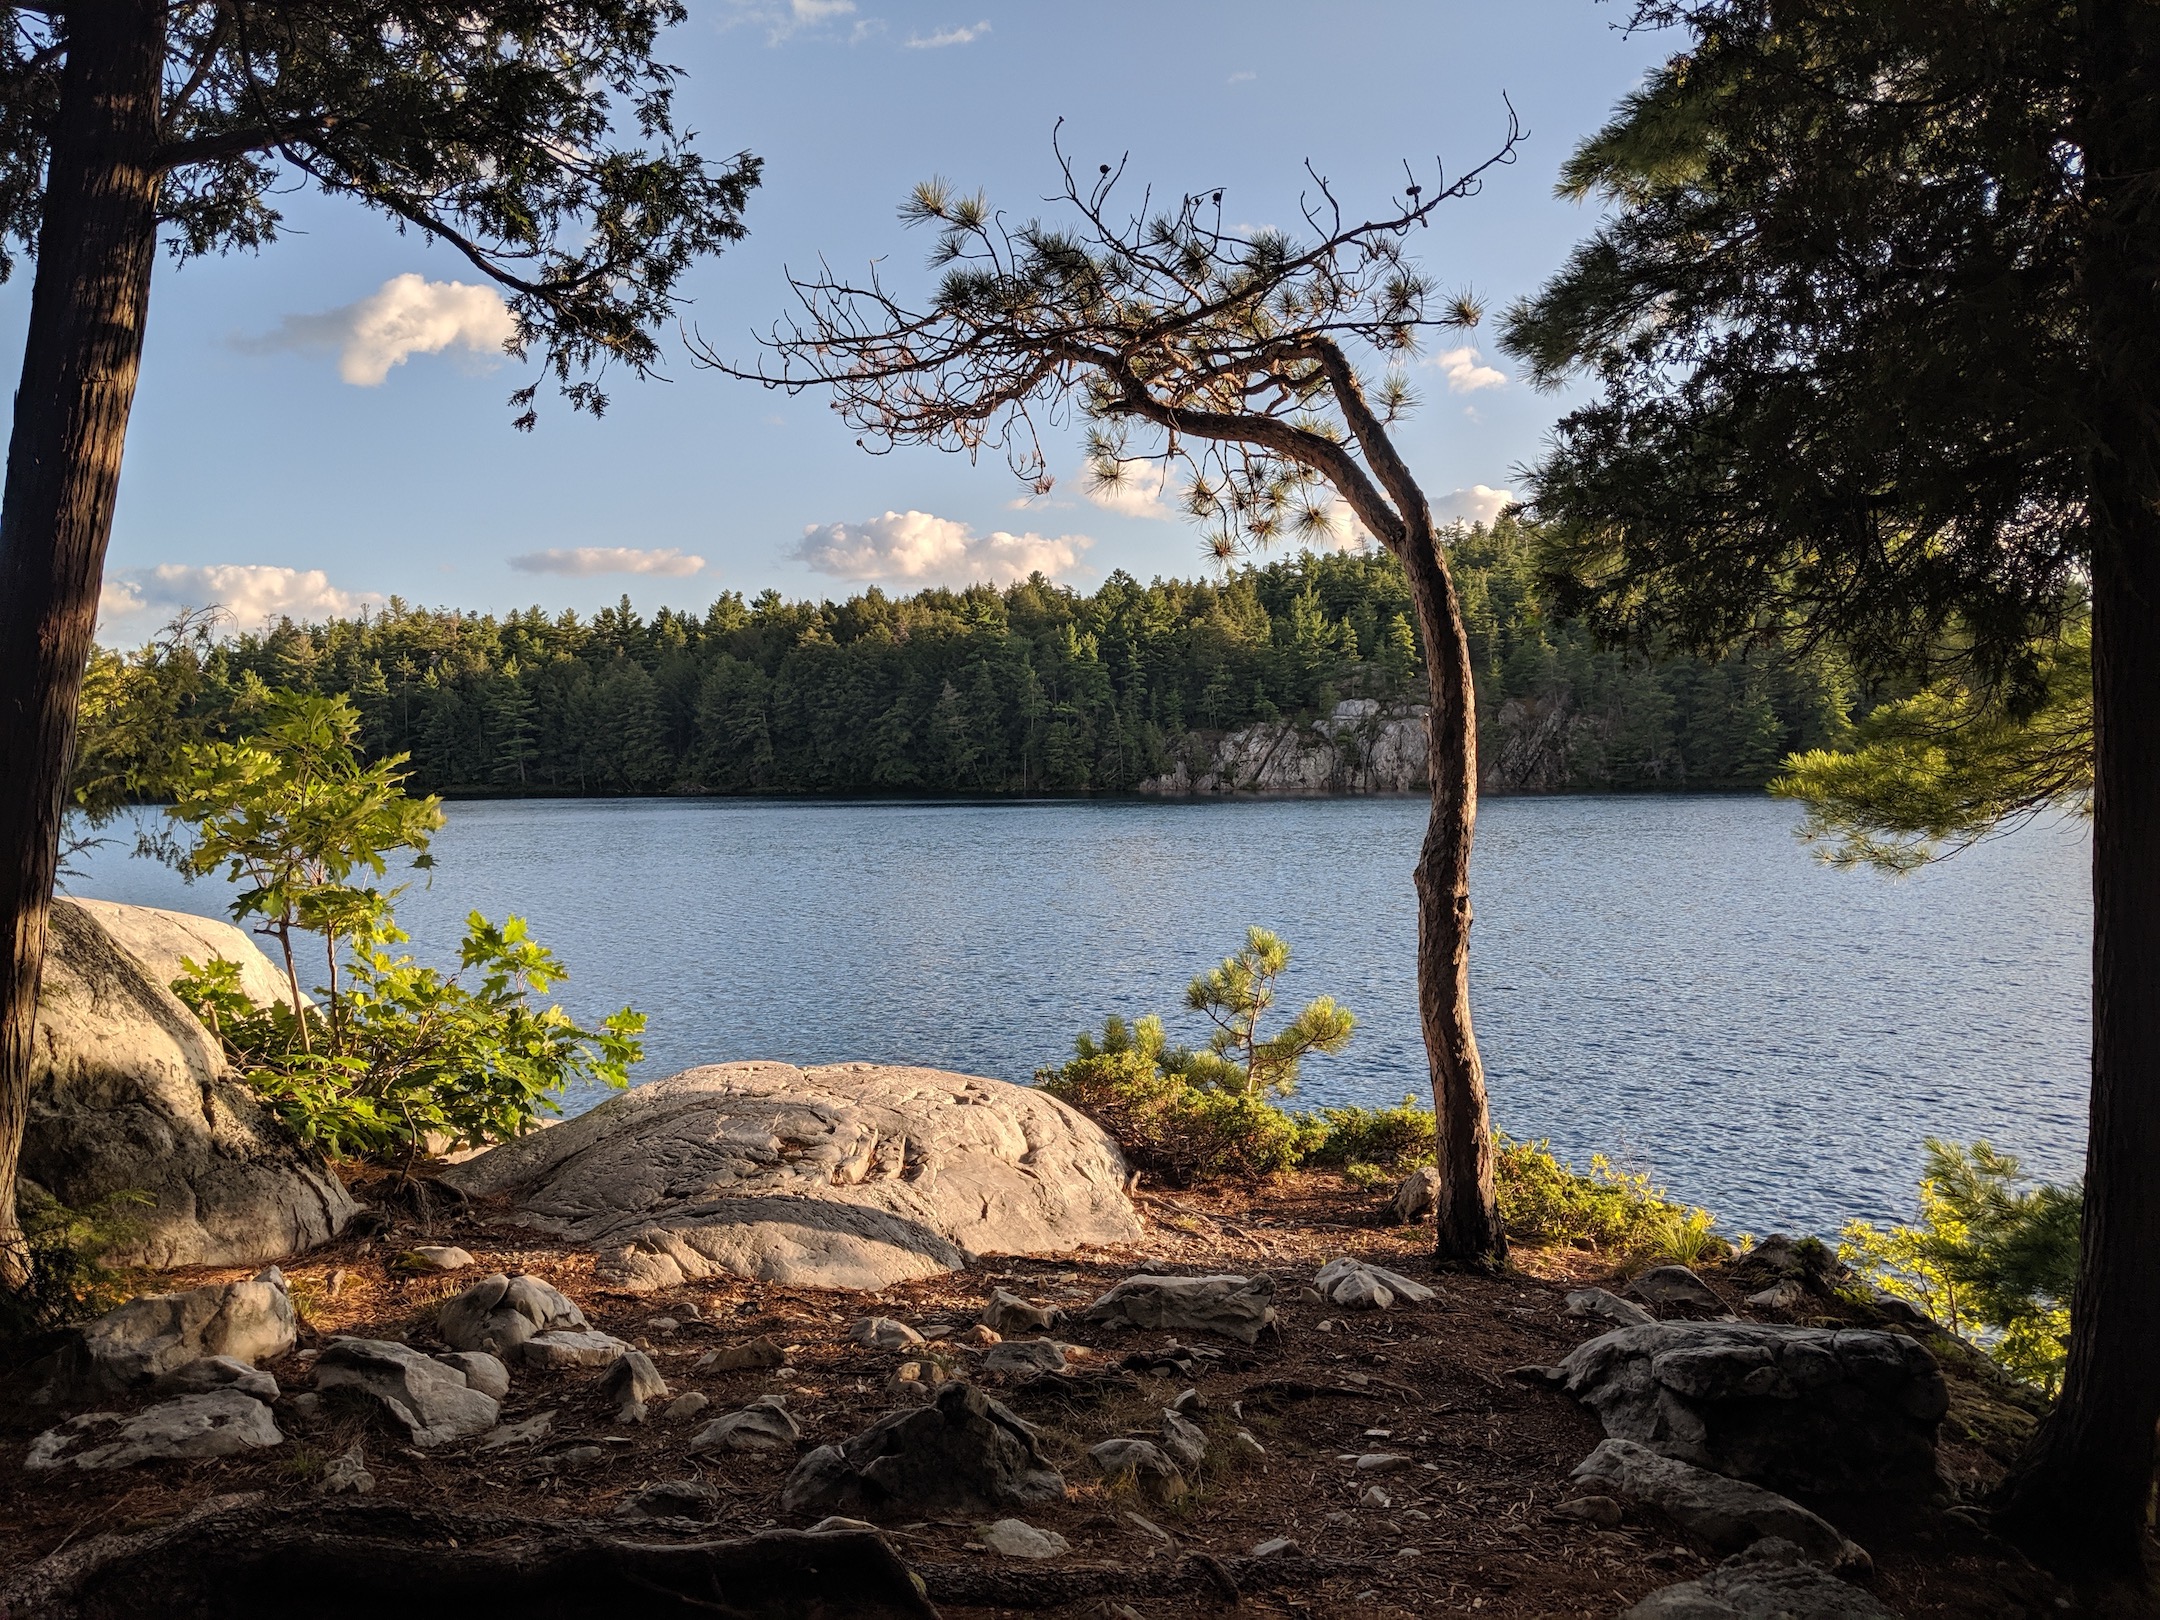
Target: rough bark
x=2080, y=1494
x=1469, y=1229
x=91, y=293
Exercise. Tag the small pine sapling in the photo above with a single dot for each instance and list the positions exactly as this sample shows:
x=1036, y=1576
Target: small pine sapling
x=1233, y=997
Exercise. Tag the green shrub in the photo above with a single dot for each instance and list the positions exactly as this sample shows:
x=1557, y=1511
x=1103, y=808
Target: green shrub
x=1546, y=1201
x=69, y=1278
x=1398, y=1138
x=1992, y=1259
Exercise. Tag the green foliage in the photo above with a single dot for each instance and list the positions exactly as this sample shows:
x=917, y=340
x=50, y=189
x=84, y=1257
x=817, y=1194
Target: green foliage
x=410, y=1053
x=1990, y=1258
x=1385, y=1139
x=1233, y=997
x=294, y=814
x=1025, y=689
x=69, y=1280
x=1951, y=764
x=1167, y=1126
x=1546, y=1201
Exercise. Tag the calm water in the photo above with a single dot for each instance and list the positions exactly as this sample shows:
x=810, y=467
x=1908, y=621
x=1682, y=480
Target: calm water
x=1673, y=981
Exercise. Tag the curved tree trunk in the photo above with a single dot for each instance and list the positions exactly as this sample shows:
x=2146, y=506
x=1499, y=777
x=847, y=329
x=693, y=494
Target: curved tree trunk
x=2081, y=1494
x=96, y=246
x=1469, y=1227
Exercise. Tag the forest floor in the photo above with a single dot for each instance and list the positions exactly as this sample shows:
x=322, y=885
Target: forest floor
x=1469, y=1526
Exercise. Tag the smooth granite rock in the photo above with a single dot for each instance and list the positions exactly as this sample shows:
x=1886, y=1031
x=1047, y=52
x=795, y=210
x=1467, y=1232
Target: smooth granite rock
x=851, y=1176
x=498, y=1314
x=430, y=1400
x=148, y=1338
x=1236, y=1307
x=1728, y=1514
x=214, y=1424
x=130, y=1094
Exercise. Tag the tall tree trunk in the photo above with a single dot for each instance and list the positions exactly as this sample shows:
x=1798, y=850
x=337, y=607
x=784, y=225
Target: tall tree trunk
x=1469, y=1228
x=96, y=246
x=2080, y=1493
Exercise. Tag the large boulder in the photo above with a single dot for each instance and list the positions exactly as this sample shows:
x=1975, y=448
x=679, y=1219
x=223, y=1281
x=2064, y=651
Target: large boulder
x=164, y=942
x=1771, y=1580
x=431, y=1400
x=157, y=1337
x=1729, y=1514
x=851, y=1176
x=130, y=1094
x=1793, y=1408
x=964, y=1453
x=217, y=1423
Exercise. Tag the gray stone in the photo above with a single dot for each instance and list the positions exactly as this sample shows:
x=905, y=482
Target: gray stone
x=219, y=1423
x=1417, y=1195
x=143, y=1340
x=1024, y=1356
x=529, y=1432
x=130, y=1094
x=764, y=1425
x=1141, y=1463
x=686, y=1406
x=1793, y=1408
x=883, y=1333
x=963, y=1452
x=1007, y=1312
x=430, y=1401
x=481, y=1371
x=852, y=1176
x=1016, y=1538
x=1235, y=1307
x=1184, y=1440
x=740, y=1357
x=347, y=1475
x=1245, y=1446
x=839, y=1524
x=1604, y=1512
x=498, y=1313
x=1783, y=1295
x=559, y=1348
x=1676, y=1290
x=631, y=1379
x=1601, y=1305
x=1277, y=1547
x=1769, y=1581
x=1727, y=1514
x=434, y=1257
x=217, y=1372
x=673, y=1499
x=1357, y=1286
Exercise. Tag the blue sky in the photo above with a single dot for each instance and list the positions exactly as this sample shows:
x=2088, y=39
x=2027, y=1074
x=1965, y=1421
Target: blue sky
x=292, y=448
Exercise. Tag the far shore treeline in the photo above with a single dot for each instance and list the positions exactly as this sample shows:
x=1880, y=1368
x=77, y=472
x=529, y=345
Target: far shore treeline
x=1029, y=688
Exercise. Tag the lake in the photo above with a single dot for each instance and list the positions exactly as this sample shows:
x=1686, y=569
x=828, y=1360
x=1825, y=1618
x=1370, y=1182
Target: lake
x=1673, y=981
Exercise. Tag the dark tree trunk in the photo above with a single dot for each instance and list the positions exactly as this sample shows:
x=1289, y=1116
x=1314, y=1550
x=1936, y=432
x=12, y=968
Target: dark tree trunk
x=96, y=246
x=2079, y=1495
x=1469, y=1228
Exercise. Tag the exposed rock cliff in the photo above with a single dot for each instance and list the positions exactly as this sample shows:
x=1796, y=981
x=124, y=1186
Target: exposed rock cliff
x=1361, y=747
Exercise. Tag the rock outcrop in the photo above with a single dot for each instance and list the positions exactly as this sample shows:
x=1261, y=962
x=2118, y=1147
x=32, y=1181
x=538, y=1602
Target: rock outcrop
x=130, y=1094
x=1796, y=1409
x=1361, y=747
x=851, y=1176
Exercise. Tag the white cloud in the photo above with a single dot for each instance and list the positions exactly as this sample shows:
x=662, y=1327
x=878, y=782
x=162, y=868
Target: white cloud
x=947, y=36
x=405, y=316
x=782, y=20
x=136, y=601
x=1243, y=77
x=915, y=548
x=1466, y=371
x=582, y=561
x=1480, y=503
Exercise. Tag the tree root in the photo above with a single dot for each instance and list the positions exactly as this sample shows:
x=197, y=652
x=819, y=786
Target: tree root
x=1224, y=1578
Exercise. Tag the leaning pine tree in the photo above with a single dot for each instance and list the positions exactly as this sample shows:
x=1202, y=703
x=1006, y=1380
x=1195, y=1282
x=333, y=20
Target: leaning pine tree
x=534, y=137
x=1264, y=367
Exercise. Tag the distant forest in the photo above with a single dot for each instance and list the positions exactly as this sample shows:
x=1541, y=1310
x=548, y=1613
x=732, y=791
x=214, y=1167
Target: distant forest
x=1033, y=688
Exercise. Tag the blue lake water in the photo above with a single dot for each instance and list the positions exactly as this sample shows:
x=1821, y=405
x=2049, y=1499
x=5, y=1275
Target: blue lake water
x=1673, y=981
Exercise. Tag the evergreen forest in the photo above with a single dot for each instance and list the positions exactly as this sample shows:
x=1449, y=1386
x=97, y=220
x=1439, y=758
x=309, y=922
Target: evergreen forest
x=1033, y=688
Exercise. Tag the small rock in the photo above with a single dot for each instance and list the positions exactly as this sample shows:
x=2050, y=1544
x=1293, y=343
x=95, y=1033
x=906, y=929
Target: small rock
x=434, y=1257
x=516, y=1434
x=1277, y=1547
x=979, y=1334
x=883, y=1333
x=1782, y=1295
x=431, y=1401
x=758, y=1353
x=1600, y=1305
x=1677, y=1290
x=304, y=1405
x=1189, y=1401
x=1236, y=1307
x=1374, y=1497
x=1242, y=1444
x=920, y=1374
x=1770, y=1579
x=672, y=1499
x=686, y=1406
x=1008, y=1313
x=575, y=1458
x=1025, y=1356
x=764, y=1425
x=839, y=1524
x=1016, y=1538
x=630, y=1380
x=217, y=1423
x=1357, y=1286
x=962, y=1453
x=663, y=1324
x=1184, y=1440
x=482, y=1371
x=1149, y=1528
x=1417, y=1195
x=1601, y=1511
x=568, y=1347
x=1381, y=1462
x=347, y=1475
x=499, y=1313
x=1728, y=1514
x=1143, y=1463
x=218, y=1372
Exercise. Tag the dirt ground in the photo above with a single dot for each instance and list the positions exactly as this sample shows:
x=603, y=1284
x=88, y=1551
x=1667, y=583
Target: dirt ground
x=1469, y=1526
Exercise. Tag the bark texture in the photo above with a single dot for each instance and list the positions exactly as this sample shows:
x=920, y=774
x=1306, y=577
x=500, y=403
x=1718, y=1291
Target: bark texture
x=88, y=301
x=2081, y=1494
